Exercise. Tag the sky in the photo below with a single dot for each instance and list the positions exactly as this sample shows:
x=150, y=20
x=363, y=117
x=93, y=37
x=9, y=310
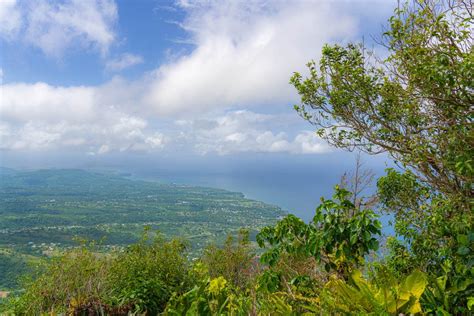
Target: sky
x=202, y=84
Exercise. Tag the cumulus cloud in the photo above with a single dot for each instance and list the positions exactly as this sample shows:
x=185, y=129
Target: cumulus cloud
x=90, y=119
x=242, y=57
x=246, y=51
x=73, y=117
x=245, y=131
x=50, y=103
x=124, y=61
x=55, y=26
x=46, y=103
x=121, y=133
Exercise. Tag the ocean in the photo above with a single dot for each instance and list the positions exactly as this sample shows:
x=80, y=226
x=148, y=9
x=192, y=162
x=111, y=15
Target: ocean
x=296, y=185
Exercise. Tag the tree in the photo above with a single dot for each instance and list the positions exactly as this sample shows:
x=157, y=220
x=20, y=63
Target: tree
x=417, y=106
x=357, y=183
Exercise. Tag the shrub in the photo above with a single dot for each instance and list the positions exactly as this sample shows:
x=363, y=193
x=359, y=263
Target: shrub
x=235, y=260
x=139, y=279
x=146, y=274
x=74, y=279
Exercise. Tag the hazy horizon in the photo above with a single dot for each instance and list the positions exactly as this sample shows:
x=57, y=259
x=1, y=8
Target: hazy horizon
x=182, y=90
x=293, y=183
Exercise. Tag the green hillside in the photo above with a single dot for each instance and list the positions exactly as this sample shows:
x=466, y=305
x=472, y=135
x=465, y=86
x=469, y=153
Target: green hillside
x=43, y=211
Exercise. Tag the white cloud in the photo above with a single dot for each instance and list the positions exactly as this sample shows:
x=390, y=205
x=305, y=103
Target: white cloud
x=245, y=131
x=40, y=116
x=309, y=143
x=245, y=52
x=111, y=118
x=91, y=120
x=55, y=26
x=243, y=57
x=124, y=61
x=70, y=117
x=50, y=103
x=10, y=18
x=46, y=103
x=119, y=133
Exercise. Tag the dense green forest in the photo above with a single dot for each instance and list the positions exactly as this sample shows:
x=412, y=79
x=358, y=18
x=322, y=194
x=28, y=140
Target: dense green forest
x=414, y=105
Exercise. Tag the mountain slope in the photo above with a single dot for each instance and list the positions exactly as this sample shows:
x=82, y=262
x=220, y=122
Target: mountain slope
x=42, y=211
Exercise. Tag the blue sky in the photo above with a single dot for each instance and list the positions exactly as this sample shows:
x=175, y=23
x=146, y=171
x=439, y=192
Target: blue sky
x=85, y=80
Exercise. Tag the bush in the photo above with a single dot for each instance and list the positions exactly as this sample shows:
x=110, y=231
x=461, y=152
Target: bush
x=386, y=296
x=210, y=296
x=139, y=279
x=146, y=274
x=76, y=278
x=235, y=261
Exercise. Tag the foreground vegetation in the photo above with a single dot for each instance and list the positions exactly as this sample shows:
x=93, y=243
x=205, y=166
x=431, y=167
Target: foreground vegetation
x=416, y=105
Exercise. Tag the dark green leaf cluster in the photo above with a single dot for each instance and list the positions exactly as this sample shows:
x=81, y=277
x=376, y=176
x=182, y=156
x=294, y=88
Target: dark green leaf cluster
x=339, y=236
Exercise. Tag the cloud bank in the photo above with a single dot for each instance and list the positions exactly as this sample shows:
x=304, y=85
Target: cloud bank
x=245, y=131
x=55, y=117
x=243, y=54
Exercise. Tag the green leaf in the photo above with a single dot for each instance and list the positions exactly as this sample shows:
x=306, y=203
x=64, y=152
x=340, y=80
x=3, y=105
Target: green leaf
x=470, y=303
x=353, y=238
x=414, y=284
x=463, y=251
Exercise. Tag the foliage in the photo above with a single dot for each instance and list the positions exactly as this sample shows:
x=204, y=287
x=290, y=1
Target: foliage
x=448, y=293
x=146, y=274
x=426, y=220
x=283, y=303
x=415, y=105
x=234, y=261
x=12, y=265
x=398, y=259
x=334, y=237
x=338, y=238
x=281, y=290
x=141, y=278
x=209, y=296
x=388, y=296
x=72, y=280
x=434, y=237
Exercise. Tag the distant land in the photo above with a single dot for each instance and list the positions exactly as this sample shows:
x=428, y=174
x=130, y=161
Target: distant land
x=42, y=211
